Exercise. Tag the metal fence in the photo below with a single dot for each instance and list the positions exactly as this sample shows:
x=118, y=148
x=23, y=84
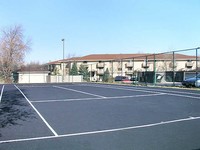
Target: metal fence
x=169, y=68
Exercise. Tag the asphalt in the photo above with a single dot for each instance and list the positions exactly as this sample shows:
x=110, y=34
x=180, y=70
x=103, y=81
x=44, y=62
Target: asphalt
x=98, y=116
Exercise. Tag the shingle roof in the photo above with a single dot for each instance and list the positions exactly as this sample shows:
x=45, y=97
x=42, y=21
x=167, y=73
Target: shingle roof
x=104, y=57
x=109, y=57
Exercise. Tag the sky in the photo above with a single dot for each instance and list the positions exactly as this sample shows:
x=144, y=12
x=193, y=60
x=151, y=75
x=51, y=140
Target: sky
x=103, y=26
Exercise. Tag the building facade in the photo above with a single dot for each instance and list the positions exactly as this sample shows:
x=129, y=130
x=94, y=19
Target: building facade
x=125, y=64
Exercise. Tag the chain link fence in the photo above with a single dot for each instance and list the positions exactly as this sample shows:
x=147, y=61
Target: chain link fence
x=170, y=68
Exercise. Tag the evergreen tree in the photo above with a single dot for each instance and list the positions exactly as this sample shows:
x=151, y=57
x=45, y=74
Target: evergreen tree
x=84, y=71
x=106, y=75
x=74, y=70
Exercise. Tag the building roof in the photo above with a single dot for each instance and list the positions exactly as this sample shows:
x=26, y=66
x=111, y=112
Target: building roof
x=104, y=57
x=138, y=56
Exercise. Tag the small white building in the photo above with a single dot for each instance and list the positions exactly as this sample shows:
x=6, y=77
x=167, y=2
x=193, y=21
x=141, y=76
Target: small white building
x=32, y=76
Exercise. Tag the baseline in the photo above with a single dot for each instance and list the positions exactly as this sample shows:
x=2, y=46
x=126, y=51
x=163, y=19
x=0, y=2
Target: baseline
x=103, y=131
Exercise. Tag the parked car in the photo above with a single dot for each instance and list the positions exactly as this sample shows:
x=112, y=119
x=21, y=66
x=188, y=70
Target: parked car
x=192, y=82
x=121, y=78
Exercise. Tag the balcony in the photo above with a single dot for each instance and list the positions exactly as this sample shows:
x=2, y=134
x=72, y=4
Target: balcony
x=100, y=65
x=145, y=65
x=85, y=65
x=173, y=65
x=129, y=65
x=129, y=72
x=100, y=72
x=189, y=64
x=119, y=67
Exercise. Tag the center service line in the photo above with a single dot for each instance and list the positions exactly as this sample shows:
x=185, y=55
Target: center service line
x=47, y=124
x=79, y=91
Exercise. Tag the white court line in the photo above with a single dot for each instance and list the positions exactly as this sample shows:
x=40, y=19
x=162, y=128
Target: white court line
x=47, y=124
x=34, y=86
x=91, y=99
x=1, y=93
x=102, y=131
x=79, y=91
x=179, y=95
x=126, y=89
x=176, y=93
x=144, y=89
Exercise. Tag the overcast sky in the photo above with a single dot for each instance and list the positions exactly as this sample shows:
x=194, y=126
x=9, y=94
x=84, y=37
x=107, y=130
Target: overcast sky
x=103, y=26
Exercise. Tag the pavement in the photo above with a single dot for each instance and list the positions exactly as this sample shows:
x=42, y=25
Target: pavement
x=86, y=116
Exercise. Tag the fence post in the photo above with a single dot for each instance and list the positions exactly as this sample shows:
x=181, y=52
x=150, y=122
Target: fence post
x=196, y=63
x=121, y=67
x=173, y=69
x=154, y=68
x=112, y=72
x=146, y=71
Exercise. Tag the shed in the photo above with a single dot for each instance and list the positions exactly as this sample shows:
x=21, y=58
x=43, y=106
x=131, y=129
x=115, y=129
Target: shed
x=32, y=76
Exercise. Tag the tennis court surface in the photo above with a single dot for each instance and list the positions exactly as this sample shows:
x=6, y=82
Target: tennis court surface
x=85, y=116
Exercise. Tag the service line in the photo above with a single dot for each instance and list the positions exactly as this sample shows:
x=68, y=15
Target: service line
x=103, y=131
x=126, y=89
x=79, y=91
x=47, y=124
x=98, y=98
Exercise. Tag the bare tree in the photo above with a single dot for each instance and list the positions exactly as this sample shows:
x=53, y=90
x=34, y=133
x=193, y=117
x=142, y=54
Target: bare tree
x=34, y=66
x=12, y=51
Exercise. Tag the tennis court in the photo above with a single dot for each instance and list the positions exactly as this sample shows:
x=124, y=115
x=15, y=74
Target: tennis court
x=86, y=116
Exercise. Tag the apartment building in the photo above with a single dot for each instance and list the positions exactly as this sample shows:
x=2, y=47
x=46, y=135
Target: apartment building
x=125, y=64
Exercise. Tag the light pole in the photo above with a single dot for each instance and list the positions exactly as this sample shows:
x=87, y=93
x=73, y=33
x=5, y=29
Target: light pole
x=63, y=40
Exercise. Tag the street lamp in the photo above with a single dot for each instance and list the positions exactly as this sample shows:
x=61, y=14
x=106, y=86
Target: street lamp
x=63, y=40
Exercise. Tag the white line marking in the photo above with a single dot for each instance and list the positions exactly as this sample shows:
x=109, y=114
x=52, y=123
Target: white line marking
x=79, y=91
x=90, y=99
x=102, y=131
x=34, y=86
x=47, y=124
x=179, y=95
x=143, y=89
x=1, y=93
x=126, y=89
x=170, y=91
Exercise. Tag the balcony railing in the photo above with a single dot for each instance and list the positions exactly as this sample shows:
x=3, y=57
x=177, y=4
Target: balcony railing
x=100, y=65
x=145, y=65
x=188, y=64
x=85, y=65
x=173, y=64
x=129, y=72
x=129, y=65
x=119, y=67
x=100, y=72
